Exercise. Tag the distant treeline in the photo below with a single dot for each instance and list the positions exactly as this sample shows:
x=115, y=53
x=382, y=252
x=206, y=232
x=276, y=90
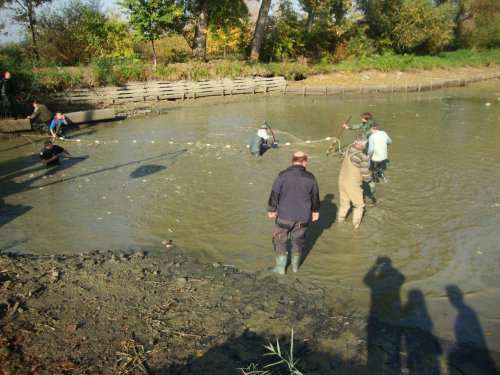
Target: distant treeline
x=78, y=31
x=77, y=44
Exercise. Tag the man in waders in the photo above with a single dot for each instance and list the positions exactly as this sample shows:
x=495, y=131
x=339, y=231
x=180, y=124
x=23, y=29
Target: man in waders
x=354, y=170
x=260, y=142
x=293, y=203
x=377, y=151
x=364, y=126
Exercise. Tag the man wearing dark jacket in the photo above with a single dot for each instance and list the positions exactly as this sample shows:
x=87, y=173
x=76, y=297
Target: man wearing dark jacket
x=294, y=202
x=7, y=95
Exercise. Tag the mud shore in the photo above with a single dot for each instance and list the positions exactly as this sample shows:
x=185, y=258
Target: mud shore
x=109, y=313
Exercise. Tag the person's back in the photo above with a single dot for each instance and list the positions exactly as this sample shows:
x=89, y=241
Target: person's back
x=41, y=112
x=379, y=139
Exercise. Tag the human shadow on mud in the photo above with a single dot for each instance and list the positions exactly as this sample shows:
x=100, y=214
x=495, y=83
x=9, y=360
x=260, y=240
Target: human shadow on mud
x=422, y=347
x=384, y=334
x=470, y=354
x=247, y=352
x=327, y=215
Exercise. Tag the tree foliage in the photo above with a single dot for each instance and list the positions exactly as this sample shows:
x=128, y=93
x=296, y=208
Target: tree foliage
x=152, y=19
x=284, y=34
x=480, y=24
x=423, y=27
x=79, y=31
x=202, y=15
x=25, y=14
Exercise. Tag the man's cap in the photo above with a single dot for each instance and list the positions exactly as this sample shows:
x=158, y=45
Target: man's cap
x=264, y=126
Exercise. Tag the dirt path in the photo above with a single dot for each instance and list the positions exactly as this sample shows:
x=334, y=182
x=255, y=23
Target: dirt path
x=377, y=78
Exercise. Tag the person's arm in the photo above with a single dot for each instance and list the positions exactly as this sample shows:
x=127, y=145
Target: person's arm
x=52, y=129
x=389, y=140
x=35, y=114
x=67, y=154
x=45, y=161
x=356, y=126
x=272, y=204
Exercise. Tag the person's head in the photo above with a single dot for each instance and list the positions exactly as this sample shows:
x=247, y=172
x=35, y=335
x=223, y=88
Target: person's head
x=299, y=158
x=264, y=127
x=6, y=74
x=48, y=144
x=59, y=115
x=34, y=103
x=374, y=127
x=366, y=116
x=360, y=142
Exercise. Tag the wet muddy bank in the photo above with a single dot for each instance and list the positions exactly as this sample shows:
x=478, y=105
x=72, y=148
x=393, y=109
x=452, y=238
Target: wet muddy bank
x=107, y=312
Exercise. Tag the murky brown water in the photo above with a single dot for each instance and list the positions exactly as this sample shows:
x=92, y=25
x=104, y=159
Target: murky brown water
x=188, y=176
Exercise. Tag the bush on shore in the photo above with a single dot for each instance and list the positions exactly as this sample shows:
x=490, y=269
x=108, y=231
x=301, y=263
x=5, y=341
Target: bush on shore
x=117, y=71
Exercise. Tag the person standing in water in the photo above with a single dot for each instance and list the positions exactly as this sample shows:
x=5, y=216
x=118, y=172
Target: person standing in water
x=364, y=126
x=261, y=141
x=293, y=203
x=354, y=171
x=377, y=151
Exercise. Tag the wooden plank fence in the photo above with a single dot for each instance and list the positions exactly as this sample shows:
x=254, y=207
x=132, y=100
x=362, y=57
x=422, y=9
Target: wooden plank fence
x=415, y=87
x=164, y=90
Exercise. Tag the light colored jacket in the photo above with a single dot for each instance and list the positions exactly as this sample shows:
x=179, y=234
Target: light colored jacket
x=377, y=145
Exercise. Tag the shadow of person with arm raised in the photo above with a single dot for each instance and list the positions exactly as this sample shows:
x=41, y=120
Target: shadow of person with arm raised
x=383, y=330
x=422, y=347
x=470, y=354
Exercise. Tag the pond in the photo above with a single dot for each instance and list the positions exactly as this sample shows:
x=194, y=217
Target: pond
x=187, y=176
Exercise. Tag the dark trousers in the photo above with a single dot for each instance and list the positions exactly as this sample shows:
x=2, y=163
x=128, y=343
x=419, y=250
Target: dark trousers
x=283, y=229
x=378, y=168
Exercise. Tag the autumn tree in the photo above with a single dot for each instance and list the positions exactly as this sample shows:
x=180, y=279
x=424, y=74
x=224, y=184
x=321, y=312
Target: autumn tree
x=423, y=27
x=79, y=31
x=200, y=15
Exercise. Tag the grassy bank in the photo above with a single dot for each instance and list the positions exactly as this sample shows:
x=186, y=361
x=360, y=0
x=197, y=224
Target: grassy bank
x=107, y=71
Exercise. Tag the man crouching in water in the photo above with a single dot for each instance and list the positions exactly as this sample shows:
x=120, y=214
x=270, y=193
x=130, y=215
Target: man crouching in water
x=50, y=154
x=261, y=142
x=294, y=201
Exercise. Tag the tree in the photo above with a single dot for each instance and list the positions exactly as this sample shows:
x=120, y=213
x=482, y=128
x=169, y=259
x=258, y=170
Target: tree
x=423, y=27
x=25, y=13
x=260, y=26
x=283, y=34
x=381, y=16
x=79, y=31
x=201, y=14
x=151, y=19
x=477, y=23
x=328, y=25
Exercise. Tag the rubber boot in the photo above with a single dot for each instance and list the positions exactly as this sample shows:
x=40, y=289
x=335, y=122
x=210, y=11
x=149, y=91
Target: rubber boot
x=295, y=263
x=280, y=265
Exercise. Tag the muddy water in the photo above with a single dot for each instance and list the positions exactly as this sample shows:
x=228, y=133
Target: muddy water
x=187, y=176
